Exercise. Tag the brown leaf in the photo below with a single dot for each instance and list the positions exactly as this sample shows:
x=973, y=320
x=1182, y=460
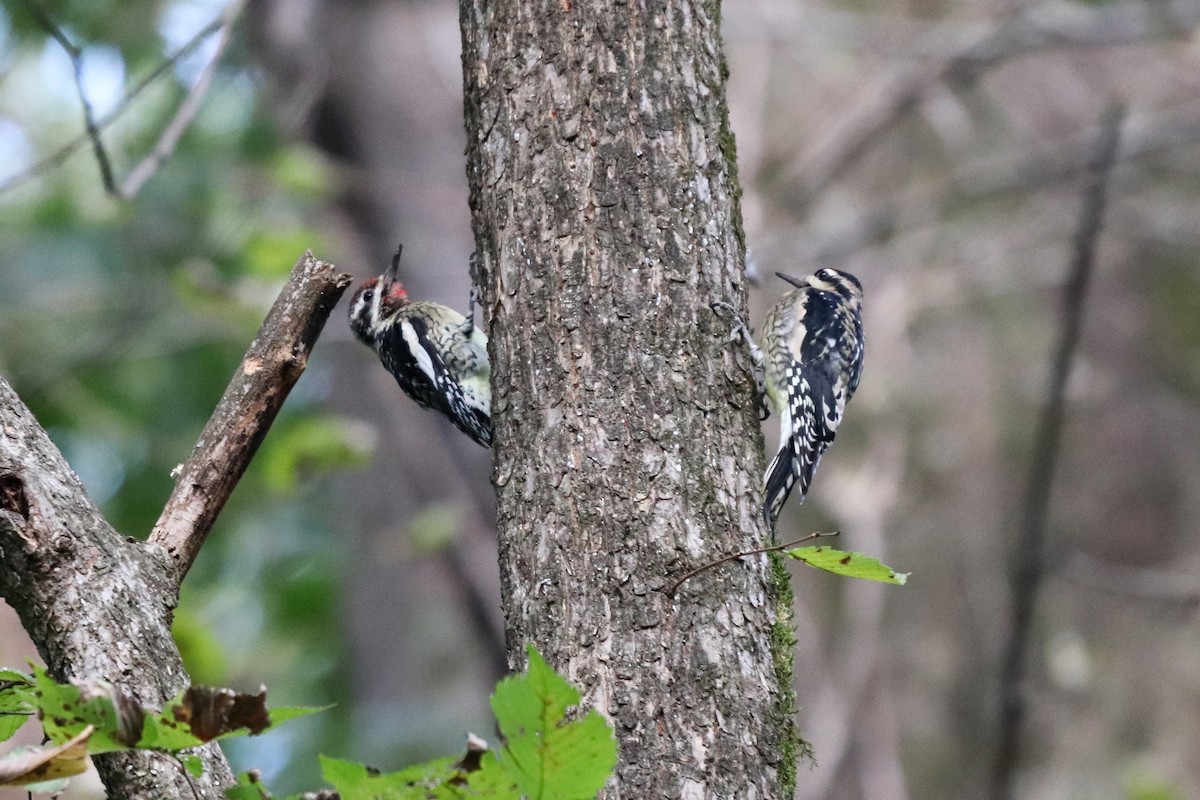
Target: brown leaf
x=212, y=712
x=470, y=762
x=37, y=764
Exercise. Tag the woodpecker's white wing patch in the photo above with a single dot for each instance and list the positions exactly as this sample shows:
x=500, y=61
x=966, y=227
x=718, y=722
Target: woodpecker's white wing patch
x=415, y=346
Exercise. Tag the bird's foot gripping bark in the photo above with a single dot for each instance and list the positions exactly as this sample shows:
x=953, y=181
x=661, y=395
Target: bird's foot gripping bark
x=740, y=331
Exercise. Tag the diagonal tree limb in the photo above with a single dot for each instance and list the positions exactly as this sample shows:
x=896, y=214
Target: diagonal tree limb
x=1030, y=566
x=96, y=604
x=271, y=366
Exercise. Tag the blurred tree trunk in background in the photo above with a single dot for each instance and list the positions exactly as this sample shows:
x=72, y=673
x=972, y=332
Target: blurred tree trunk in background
x=605, y=199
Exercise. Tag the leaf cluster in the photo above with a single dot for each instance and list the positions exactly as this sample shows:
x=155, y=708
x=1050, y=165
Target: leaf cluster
x=82, y=718
x=543, y=755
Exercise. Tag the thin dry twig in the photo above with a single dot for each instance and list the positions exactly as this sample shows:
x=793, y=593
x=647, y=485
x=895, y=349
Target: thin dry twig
x=1030, y=566
x=61, y=154
x=172, y=133
x=1021, y=34
x=187, y=109
x=775, y=548
x=276, y=359
x=89, y=116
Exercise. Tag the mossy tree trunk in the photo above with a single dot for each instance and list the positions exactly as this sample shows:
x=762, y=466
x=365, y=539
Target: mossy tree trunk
x=605, y=204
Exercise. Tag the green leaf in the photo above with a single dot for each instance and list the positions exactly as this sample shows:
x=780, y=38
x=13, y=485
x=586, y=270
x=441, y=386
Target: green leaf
x=249, y=787
x=169, y=729
x=852, y=565
x=17, y=702
x=355, y=781
x=492, y=781
x=163, y=732
x=67, y=709
x=192, y=764
x=10, y=723
x=545, y=756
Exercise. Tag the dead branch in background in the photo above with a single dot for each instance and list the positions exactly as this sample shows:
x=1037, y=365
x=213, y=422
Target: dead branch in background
x=276, y=359
x=61, y=154
x=187, y=109
x=1026, y=32
x=168, y=140
x=75, y=53
x=1138, y=583
x=1030, y=567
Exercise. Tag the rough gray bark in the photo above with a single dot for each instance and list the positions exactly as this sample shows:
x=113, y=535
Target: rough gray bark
x=95, y=603
x=605, y=202
x=99, y=605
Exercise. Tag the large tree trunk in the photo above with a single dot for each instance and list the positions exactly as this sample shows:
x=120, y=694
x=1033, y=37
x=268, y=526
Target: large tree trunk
x=605, y=202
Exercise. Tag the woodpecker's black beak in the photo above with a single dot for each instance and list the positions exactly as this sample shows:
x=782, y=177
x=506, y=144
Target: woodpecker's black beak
x=393, y=272
x=797, y=282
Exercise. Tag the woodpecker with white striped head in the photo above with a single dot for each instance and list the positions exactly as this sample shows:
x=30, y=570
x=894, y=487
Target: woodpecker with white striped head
x=438, y=356
x=813, y=353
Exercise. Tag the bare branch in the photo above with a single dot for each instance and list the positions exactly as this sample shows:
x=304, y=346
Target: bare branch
x=89, y=117
x=272, y=365
x=61, y=154
x=1029, y=31
x=1031, y=547
x=775, y=548
x=171, y=134
x=1137, y=582
x=187, y=109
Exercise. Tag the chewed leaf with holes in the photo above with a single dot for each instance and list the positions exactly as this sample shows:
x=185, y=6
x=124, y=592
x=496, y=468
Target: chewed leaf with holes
x=852, y=565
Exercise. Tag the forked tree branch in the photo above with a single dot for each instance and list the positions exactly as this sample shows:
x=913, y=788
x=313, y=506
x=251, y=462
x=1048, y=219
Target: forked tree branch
x=270, y=368
x=98, y=604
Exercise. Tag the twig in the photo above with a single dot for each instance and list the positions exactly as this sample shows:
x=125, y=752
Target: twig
x=59, y=155
x=1030, y=566
x=89, y=117
x=275, y=360
x=187, y=109
x=775, y=548
x=174, y=130
x=1021, y=34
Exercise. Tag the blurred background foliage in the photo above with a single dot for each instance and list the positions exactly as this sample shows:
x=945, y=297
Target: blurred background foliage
x=933, y=148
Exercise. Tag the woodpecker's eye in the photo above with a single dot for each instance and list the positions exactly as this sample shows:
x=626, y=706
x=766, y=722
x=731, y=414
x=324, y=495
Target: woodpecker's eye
x=369, y=295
